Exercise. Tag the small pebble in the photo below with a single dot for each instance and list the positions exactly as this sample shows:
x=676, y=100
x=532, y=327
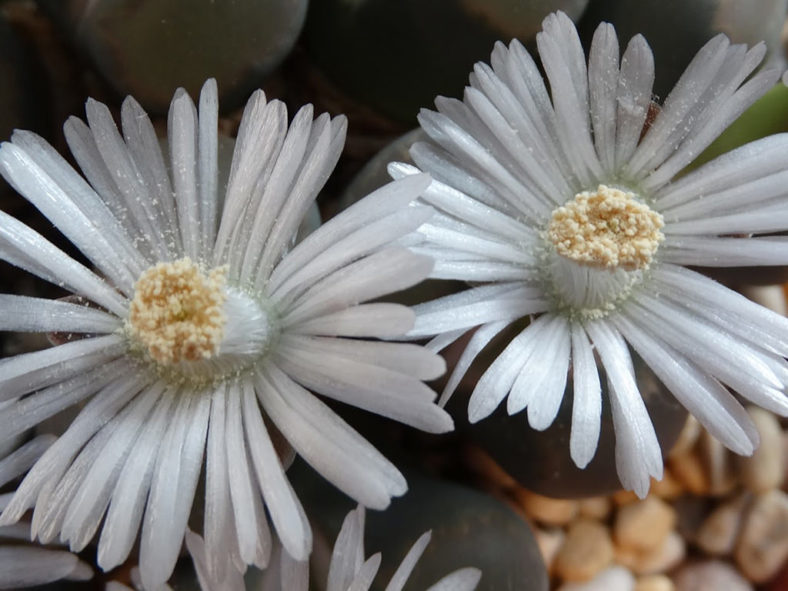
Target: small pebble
x=586, y=551
x=768, y=296
x=644, y=525
x=545, y=509
x=654, y=583
x=713, y=575
x=762, y=548
x=668, y=488
x=615, y=578
x=721, y=477
x=687, y=438
x=688, y=469
x=549, y=541
x=659, y=560
x=595, y=507
x=717, y=535
x=765, y=469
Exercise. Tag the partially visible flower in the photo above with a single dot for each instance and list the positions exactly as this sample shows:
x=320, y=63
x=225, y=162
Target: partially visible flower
x=207, y=328
x=563, y=206
x=348, y=568
x=23, y=563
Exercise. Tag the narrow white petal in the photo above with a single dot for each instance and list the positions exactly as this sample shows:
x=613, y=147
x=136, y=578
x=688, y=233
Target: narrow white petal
x=23, y=458
x=131, y=490
x=603, y=80
x=376, y=388
x=633, y=97
x=144, y=147
x=219, y=524
x=31, y=371
x=324, y=440
x=587, y=401
x=207, y=164
x=366, y=574
x=405, y=568
x=182, y=128
x=124, y=177
x=353, y=246
x=716, y=409
x=27, y=314
x=93, y=495
x=25, y=566
x=379, y=274
x=172, y=490
x=638, y=455
x=284, y=508
x=496, y=382
x=713, y=251
x=56, y=460
x=348, y=553
x=254, y=537
x=24, y=248
x=377, y=320
x=257, y=147
x=549, y=375
x=321, y=156
x=481, y=337
x=381, y=203
x=464, y=579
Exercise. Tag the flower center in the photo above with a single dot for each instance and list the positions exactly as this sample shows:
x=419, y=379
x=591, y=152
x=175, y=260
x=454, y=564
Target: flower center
x=177, y=311
x=606, y=229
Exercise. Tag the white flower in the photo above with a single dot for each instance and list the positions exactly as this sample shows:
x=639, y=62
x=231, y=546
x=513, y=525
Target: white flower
x=347, y=570
x=22, y=563
x=206, y=329
x=555, y=208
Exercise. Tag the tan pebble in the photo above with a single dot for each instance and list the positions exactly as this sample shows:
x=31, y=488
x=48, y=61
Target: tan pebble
x=768, y=296
x=717, y=534
x=624, y=497
x=595, y=507
x=662, y=558
x=549, y=542
x=546, y=510
x=721, y=477
x=688, y=469
x=615, y=578
x=687, y=437
x=586, y=551
x=644, y=525
x=765, y=469
x=668, y=488
x=762, y=547
x=713, y=575
x=654, y=583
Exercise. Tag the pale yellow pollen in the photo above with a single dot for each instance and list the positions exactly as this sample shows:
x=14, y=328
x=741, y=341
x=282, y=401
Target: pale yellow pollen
x=177, y=311
x=606, y=228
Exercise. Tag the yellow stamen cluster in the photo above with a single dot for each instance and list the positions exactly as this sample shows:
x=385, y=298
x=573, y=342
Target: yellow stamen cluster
x=177, y=311
x=607, y=228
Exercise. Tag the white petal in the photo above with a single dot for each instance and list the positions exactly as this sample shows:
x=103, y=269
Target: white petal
x=20, y=460
x=24, y=248
x=633, y=97
x=377, y=320
x=27, y=314
x=182, y=128
x=716, y=409
x=27, y=567
x=587, y=401
x=464, y=579
x=207, y=165
x=405, y=568
x=324, y=440
x=172, y=489
x=284, y=508
x=131, y=490
x=347, y=557
x=483, y=335
x=638, y=454
x=603, y=80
